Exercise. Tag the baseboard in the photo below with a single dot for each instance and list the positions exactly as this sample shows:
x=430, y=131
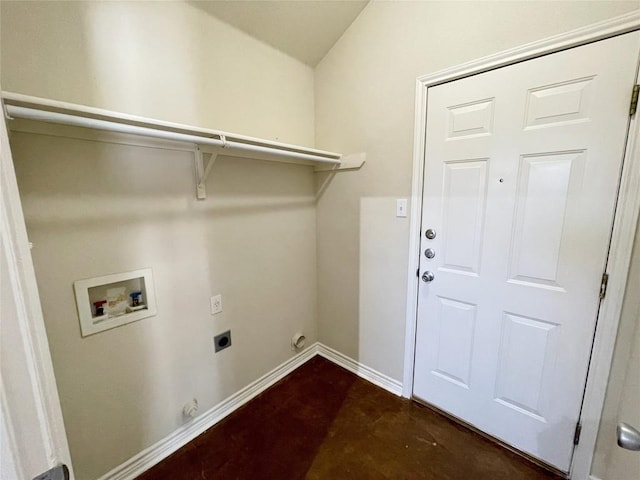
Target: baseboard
x=593, y=477
x=361, y=370
x=157, y=452
x=152, y=455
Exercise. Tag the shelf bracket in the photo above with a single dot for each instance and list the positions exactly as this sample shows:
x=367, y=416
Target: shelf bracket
x=202, y=170
x=353, y=161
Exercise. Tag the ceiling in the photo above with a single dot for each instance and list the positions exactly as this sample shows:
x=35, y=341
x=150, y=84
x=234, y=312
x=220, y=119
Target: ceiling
x=303, y=29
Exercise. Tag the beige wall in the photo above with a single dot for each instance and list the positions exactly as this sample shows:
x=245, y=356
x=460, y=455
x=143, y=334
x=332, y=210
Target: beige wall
x=365, y=93
x=94, y=208
x=164, y=60
x=623, y=391
x=114, y=208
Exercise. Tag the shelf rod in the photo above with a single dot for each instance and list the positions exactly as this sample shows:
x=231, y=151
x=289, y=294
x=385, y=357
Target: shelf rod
x=77, y=121
x=232, y=147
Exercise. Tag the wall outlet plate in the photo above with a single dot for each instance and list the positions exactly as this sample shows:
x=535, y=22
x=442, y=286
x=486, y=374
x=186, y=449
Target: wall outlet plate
x=222, y=341
x=216, y=304
x=401, y=207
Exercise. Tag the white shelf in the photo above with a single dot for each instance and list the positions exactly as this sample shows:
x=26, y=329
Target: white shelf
x=202, y=141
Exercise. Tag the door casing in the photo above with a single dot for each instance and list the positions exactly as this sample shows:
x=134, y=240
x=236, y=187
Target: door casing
x=626, y=218
x=45, y=425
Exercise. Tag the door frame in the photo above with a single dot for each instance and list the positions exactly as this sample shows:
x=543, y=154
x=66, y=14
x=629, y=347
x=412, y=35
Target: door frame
x=35, y=355
x=624, y=227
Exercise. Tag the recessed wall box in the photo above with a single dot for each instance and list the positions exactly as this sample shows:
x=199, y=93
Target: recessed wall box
x=222, y=341
x=106, y=302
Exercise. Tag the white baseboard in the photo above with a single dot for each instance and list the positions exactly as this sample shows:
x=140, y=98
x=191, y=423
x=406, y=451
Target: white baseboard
x=361, y=370
x=152, y=455
x=593, y=477
x=157, y=452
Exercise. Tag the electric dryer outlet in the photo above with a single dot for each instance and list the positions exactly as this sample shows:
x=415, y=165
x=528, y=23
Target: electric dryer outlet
x=222, y=341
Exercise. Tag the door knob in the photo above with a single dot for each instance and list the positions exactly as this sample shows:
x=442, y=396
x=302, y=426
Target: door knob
x=628, y=437
x=428, y=276
x=430, y=234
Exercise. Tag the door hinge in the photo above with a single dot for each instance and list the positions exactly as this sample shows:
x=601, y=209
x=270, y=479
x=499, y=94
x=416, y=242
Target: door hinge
x=603, y=285
x=634, y=100
x=576, y=433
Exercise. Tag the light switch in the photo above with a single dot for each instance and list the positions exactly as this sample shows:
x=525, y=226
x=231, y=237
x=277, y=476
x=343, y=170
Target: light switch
x=401, y=207
x=216, y=304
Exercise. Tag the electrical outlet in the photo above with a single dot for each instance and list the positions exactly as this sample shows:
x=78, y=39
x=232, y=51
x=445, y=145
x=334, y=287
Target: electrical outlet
x=216, y=304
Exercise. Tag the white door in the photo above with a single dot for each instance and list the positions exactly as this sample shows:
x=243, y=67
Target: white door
x=32, y=434
x=521, y=174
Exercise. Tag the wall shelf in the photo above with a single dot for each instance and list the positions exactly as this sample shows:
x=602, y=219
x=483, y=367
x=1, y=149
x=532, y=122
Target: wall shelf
x=203, y=141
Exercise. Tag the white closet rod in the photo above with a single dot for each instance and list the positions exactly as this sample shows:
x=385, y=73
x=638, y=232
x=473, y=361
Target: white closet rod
x=80, y=121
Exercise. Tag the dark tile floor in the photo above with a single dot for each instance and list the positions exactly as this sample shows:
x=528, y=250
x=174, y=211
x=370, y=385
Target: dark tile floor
x=322, y=422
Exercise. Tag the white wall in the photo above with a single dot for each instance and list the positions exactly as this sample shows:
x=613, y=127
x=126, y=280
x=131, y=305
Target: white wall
x=365, y=93
x=94, y=208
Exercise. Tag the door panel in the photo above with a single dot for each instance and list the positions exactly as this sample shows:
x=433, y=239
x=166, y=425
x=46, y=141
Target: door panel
x=471, y=120
x=544, y=185
x=527, y=348
x=464, y=198
x=522, y=167
x=457, y=323
x=566, y=102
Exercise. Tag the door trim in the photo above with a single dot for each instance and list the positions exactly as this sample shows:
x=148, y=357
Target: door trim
x=623, y=230
x=24, y=290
